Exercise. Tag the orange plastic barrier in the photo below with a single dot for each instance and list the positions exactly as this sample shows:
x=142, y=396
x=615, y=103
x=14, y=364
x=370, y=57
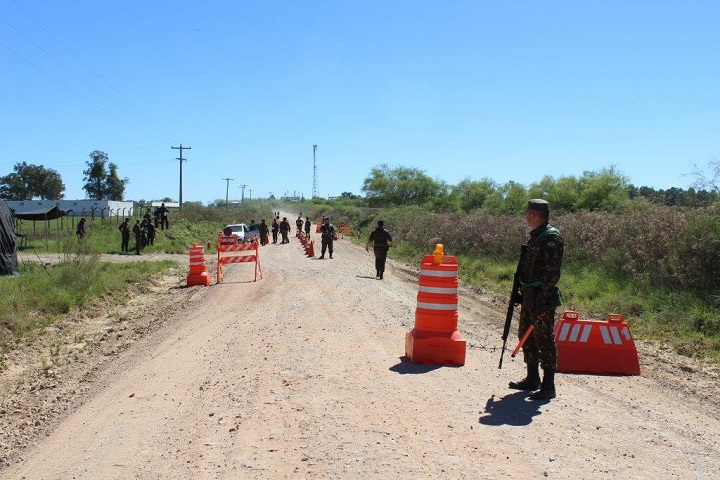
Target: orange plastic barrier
x=595, y=346
x=198, y=268
x=310, y=249
x=435, y=339
x=231, y=251
x=345, y=229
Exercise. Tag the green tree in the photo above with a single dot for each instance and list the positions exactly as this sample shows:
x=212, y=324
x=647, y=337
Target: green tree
x=114, y=185
x=473, y=194
x=400, y=186
x=31, y=181
x=510, y=199
x=102, y=181
x=562, y=193
x=95, y=175
x=604, y=190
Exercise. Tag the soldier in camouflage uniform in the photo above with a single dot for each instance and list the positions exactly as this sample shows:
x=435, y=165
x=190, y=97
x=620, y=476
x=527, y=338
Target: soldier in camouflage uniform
x=539, y=275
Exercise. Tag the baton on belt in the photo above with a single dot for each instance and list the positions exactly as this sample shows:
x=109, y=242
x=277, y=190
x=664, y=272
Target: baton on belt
x=523, y=340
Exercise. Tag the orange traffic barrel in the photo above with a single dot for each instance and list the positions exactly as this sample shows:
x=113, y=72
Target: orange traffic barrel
x=198, y=267
x=435, y=339
x=595, y=346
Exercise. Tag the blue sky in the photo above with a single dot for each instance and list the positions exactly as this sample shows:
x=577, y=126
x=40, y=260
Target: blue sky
x=506, y=90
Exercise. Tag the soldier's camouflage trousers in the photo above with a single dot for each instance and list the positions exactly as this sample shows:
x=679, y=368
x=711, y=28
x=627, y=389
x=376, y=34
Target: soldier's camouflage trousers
x=540, y=346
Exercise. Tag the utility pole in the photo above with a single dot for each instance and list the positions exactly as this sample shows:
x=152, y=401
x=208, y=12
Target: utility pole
x=227, y=189
x=242, y=195
x=250, y=193
x=315, y=192
x=181, y=148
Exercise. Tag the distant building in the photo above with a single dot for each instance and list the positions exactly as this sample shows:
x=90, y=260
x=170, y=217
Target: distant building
x=167, y=204
x=77, y=208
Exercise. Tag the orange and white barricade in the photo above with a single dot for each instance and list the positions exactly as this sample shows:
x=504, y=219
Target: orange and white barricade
x=230, y=250
x=595, y=346
x=435, y=338
x=345, y=229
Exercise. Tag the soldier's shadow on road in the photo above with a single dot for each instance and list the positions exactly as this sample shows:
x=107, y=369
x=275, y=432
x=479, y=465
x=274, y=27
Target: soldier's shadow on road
x=513, y=409
x=365, y=276
x=406, y=366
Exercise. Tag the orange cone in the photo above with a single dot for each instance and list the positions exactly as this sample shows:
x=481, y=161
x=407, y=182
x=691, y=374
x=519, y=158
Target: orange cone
x=198, y=268
x=435, y=338
x=311, y=249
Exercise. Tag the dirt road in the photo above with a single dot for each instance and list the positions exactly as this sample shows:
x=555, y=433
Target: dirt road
x=301, y=374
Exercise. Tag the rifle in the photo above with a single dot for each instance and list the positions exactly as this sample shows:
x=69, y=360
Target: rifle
x=514, y=300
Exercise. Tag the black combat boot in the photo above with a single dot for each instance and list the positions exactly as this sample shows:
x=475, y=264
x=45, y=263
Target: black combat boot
x=547, y=388
x=531, y=381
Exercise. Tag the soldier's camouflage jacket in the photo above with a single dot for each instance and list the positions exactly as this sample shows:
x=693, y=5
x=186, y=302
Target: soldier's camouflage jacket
x=540, y=267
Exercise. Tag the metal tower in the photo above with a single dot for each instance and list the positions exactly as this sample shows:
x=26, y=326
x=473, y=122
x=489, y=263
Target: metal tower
x=315, y=180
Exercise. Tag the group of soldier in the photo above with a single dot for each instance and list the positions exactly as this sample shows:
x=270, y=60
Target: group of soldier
x=144, y=231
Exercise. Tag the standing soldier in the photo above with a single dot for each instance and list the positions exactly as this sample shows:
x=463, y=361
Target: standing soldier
x=299, y=224
x=150, y=232
x=326, y=238
x=275, y=228
x=382, y=241
x=263, y=232
x=539, y=272
x=308, y=224
x=81, y=228
x=284, y=230
x=143, y=233
x=163, y=212
x=125, y=235
x=137, y=230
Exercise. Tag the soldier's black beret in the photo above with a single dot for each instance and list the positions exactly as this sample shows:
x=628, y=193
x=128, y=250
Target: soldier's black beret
x=538, y=204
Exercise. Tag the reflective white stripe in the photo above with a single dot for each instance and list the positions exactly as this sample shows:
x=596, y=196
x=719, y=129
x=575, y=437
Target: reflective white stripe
x=438, y=273
x=240, y=247
x=443, y=290
x=616, y=335
x=626, y=333
x=198, y=263
x=564, y=331
x=574, y=333
x=586, y=333
x=247, y=258
x=605, y=335
x=578, y=331
x=437, y=306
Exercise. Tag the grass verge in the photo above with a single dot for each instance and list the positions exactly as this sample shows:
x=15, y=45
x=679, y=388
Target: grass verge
x=40, y=295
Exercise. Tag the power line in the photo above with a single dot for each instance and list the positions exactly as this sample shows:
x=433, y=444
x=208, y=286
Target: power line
x=79, y=94
x=166, y=132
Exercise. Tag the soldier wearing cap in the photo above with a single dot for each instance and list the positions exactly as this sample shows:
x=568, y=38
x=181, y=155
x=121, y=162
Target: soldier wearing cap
x=539, y=275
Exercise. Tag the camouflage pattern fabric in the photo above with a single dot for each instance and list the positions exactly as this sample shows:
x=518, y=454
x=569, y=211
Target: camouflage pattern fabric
x=540, y=273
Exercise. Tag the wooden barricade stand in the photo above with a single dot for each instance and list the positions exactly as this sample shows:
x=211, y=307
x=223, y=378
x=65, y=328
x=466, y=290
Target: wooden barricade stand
x=230, y=250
